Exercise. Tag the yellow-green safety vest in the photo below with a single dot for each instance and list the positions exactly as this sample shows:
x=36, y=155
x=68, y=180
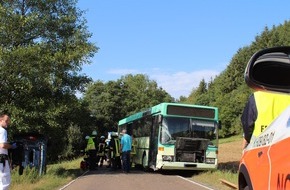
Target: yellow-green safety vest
x=134, y=146
x=277, y=103
x=115, y=153
x=90, y=144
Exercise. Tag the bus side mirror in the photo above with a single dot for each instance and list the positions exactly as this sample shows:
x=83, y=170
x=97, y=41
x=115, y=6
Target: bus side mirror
x=269, y=70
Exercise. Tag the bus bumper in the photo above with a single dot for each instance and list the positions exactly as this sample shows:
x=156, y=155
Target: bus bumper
x=185, y=166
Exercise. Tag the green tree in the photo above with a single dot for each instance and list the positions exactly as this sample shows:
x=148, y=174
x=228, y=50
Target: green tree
x=43, y=45
x=111, y=101
x=228, y=90
x=105, y=101
x=198, y=93
x=141, y=93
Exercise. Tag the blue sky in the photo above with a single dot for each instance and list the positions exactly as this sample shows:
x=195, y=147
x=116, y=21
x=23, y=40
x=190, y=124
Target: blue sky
x=175, y=43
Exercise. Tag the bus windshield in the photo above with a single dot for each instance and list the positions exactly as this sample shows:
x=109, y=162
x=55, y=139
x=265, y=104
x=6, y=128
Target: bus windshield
x=173, y=127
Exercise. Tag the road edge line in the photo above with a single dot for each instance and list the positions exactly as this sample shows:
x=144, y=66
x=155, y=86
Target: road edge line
x=195, y=183
x=62, y=188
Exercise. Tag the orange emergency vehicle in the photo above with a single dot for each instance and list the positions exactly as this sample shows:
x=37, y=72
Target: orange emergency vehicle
x=265, y=163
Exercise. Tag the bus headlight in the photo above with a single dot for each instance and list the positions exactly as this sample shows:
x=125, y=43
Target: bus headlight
x=167, y=158
x=210, y=160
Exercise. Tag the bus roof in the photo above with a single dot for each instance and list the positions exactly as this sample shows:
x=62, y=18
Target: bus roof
x=161, y=108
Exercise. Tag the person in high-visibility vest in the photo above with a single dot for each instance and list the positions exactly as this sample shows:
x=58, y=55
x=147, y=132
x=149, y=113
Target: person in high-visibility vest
x=115, y=151
x=133, y=150
x=101, y=151
x=91, y=151
x=260, y=110
x=107, y=151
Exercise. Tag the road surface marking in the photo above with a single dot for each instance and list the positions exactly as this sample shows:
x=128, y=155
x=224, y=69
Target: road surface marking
x=73, y=181
x=195, y=183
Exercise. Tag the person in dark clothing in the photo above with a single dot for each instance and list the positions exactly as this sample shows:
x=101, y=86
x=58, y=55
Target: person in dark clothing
x=248, y=119
x=114, y=147
x=101, y=151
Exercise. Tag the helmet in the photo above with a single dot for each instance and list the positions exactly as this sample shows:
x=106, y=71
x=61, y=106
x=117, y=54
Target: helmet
x=87, y=137
x=94, y=132
x=102, y=137
x=114, y=134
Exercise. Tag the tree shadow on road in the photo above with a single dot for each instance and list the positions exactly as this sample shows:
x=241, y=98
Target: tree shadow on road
x=67, y=172
x=109, y=171
x=232, y=167
x=183, y=173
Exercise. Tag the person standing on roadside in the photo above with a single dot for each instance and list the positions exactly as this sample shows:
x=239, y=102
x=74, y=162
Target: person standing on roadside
x=5, y=175
x=92, y=151
x=114, y=146
x=101, y=156
x=126, y=146
x=133, y=151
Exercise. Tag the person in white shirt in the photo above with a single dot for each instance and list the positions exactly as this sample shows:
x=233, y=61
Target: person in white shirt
x=5, y=176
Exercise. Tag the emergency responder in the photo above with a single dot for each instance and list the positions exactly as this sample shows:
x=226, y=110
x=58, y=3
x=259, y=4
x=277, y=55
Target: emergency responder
x=115, y=151
x=101, y=151
x=107, y=150
x=91, y=151
x=133, y=151
x=260, y=110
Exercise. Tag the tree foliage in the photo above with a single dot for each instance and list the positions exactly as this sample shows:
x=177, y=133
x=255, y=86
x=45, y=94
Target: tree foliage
x=228, y=91
x=111, y=101
x=197, y=93
x=43, y=45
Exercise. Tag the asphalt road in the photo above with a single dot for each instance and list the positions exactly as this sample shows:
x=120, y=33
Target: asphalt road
x=105, y=179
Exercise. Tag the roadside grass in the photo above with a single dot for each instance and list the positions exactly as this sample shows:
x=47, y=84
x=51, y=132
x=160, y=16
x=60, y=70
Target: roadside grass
x=212, y=178
x=60, y=174
x=57, y=175
x=231, y=139
x=229, y=155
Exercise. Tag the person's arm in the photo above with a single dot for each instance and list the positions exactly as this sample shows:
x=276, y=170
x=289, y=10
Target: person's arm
x=248, y=118
x=245, y=143
x=7, y=145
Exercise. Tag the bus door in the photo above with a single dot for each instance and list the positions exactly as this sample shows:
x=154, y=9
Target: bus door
x=153, y=144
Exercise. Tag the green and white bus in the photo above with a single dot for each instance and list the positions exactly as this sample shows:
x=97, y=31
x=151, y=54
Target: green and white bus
x=174, y=136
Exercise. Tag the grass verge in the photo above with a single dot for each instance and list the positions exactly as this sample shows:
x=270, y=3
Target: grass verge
x=212, y=178
x=57, y=175
x=230, y=152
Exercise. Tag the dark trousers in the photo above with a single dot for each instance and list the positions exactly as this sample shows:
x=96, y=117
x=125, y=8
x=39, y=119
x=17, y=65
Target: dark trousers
x=116, y=163
x=126, y=161
x=92, y=159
